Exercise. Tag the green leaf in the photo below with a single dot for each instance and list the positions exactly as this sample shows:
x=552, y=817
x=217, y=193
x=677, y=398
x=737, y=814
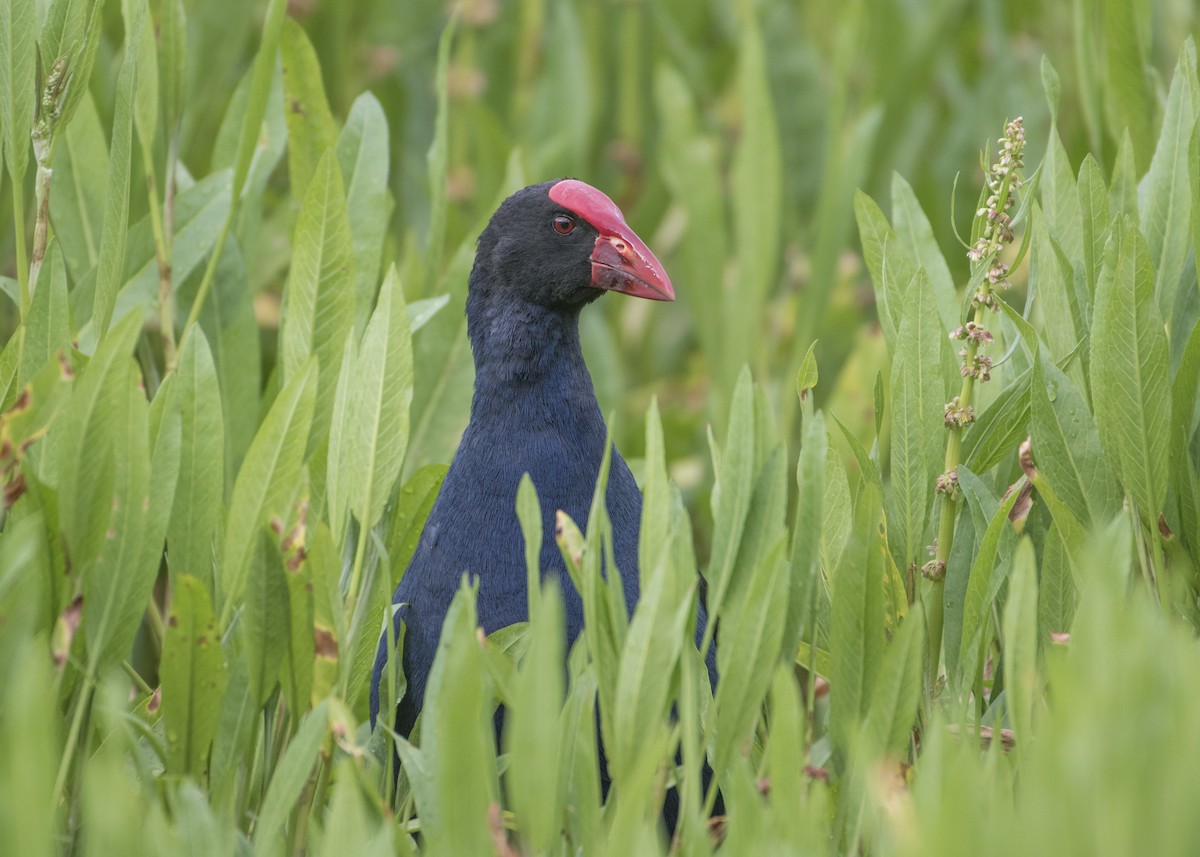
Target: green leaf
x=319, y=297
x=896, y=692
x=172, y=59
x=1000, y=428
x=1094, y=204
x=457, y=738
x=111, y=264
x=890, y=265
x=1066, y=447
x=856, y=626
x=532, y=723
x=362, y=151
x=18, y=90
x=193, y=677
x=84, y=439
x=78, y=187
x=1123, y=188
x=415, y=500
x=756, y=186
x=141, y=39
x=437, y=159
x=749, y=650
x=382, y=394
x=71, y=32
x=1060, y=199
x=290, y=778
x=1021, y=682
x=267, y=481
x=1184, y=392
x=1130, y=385
x=916, y=235
x=48, y=328
x=261, y=76
x=1129, y=98
x=1053, y=280
x=917, y=430
x=732, y=492
x=264, y=626
x=200, y=498
x=237, y=721
x=987, y=576
x=806, y=377
x=311, y=130
x=1165, y=194
x=807, y=532
x=1056, y=588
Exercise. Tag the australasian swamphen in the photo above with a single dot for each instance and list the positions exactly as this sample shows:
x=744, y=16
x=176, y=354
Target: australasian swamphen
x=548, y=251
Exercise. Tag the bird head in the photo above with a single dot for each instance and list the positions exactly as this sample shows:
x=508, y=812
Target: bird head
x=564, y=243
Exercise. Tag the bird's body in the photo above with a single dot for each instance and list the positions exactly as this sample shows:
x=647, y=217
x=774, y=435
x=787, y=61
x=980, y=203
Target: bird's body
x=534, y=411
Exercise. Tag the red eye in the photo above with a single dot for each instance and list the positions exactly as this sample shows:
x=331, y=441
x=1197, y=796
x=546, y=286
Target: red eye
x=563, y=224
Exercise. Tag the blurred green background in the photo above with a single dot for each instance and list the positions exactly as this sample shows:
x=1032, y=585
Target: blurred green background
x=733, y=135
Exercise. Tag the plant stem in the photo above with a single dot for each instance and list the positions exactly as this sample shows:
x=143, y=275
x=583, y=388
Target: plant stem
x=41, y=226
x=18, y=204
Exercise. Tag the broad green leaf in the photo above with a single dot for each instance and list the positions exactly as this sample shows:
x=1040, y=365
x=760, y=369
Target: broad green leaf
x=48, y=328
x=914, y=232
x=457, y=738
x=690, y=164
x=1165, y=197
x=1130, y=384
x=1123, y=188
x=1053, y=280
x=749, y=650
x=298, y=666
x=261, y=76
x=437, y=159
x=805, y=571
x=806, y=377
x=1056, y=587
x=1060, y=199
x=267, y=480
x=856, y=626
x=78, y=187
x=71, y=34
x=1184, y=392
x=200, y=498
x=145, y=96
x=1066, y=447
x=531, y=724
x=311, y=130
x=111, y=264
x=172, y=59
x=917, y=427
x=382, y=385
x=987, y=576
x=290, y=778
x=362, y=150
x=732, y=492
x=889, y=263
x=1093, y=201
x=650, y=652
x=341, y=431
x=836, y=512
x=896, y=693
x=319, y=297
x=18, y=91
x=414, y=502
x=28, y=729
x=84, y=441
x=264, y=625
x=1020, y=624
x=756, y=187
x=193, y=677
x=1129, y=97
x=237, y=721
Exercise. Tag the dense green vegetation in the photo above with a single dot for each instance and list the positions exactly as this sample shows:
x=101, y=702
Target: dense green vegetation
x=236, y=238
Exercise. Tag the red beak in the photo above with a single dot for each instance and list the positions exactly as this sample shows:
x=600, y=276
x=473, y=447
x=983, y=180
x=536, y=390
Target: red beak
x=621, y=262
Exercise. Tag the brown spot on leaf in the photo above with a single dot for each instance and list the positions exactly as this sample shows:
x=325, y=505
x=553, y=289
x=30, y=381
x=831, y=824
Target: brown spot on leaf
x=22, y=402
x=324, y=644
x=155, y=700
x=1164, y=529
x=816, y=773
x=13, y=490
x=1060, y=638
x=172, y=621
